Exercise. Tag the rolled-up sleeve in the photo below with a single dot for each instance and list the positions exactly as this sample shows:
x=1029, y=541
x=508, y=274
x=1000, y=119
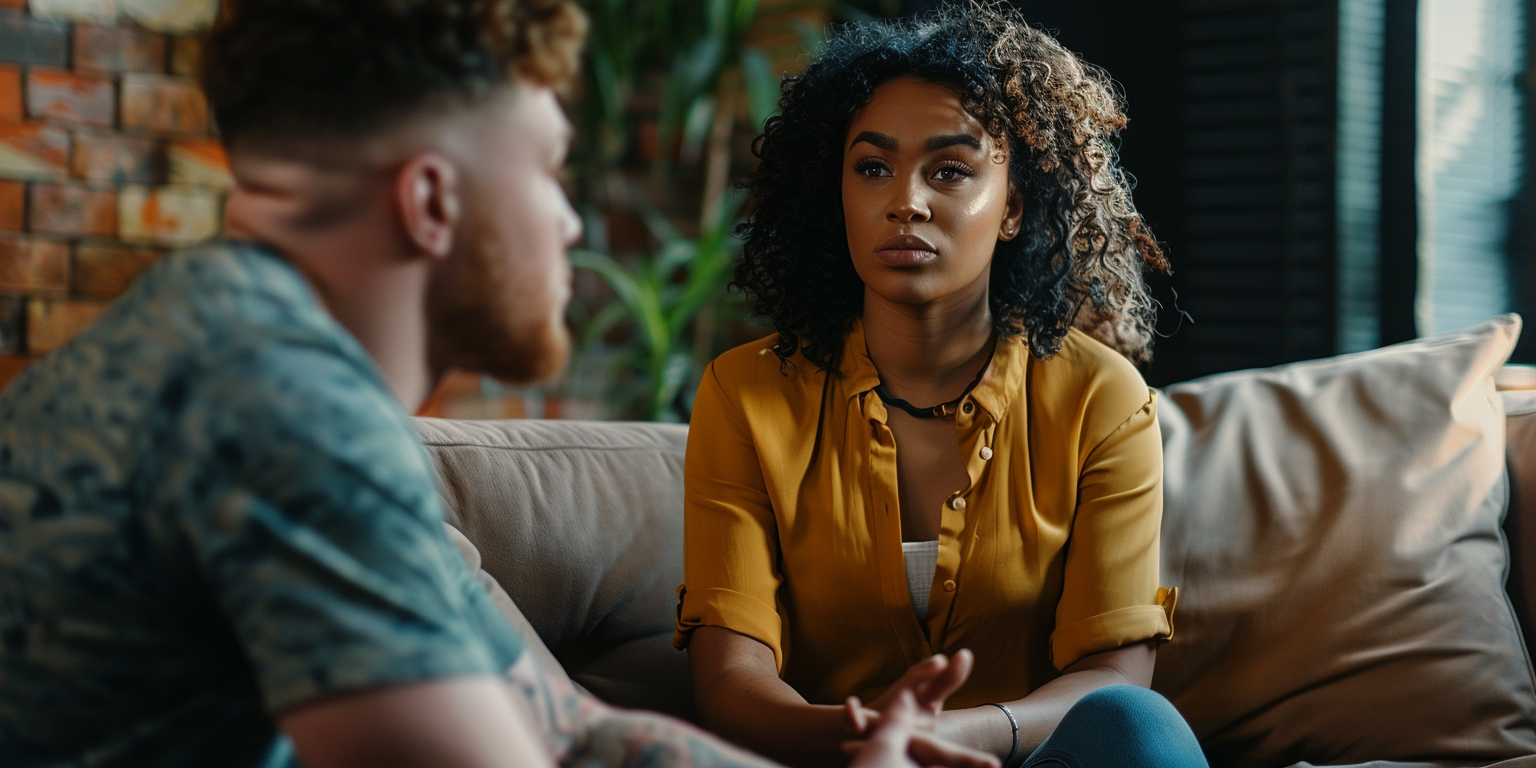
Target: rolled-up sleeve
x=730, y=537
x=1110, y=593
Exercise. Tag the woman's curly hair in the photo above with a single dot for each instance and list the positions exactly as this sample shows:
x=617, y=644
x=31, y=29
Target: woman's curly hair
x=1080, y=257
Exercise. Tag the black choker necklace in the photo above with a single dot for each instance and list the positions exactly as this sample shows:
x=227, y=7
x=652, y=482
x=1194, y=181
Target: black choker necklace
x=942, y=409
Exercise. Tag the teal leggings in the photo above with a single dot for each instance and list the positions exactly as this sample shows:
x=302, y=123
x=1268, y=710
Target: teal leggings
x=1121, y=726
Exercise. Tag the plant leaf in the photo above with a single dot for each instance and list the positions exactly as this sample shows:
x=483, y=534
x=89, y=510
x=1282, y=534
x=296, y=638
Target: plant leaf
x=639, y=293
x=762, y=86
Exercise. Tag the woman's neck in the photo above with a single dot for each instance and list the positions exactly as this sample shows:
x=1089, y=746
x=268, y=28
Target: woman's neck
x=928, y=353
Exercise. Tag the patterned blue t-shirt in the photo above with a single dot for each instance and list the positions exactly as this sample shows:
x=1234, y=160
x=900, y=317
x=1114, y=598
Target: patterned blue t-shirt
x=212, y=510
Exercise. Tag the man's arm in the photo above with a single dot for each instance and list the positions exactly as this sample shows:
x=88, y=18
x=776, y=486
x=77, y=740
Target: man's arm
x=458, y=722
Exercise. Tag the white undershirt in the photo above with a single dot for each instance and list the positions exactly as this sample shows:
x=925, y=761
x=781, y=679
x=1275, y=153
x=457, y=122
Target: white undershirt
x=922, y=558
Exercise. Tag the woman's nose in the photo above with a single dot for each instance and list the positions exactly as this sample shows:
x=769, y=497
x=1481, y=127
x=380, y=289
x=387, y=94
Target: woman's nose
x=908, y=205
x=908, y=200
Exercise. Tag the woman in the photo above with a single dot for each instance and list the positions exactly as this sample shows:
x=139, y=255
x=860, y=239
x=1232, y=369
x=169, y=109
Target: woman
x=946, y=446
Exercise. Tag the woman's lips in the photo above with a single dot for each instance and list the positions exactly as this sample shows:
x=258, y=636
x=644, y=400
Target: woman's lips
x=902, y=257
x=905, y=251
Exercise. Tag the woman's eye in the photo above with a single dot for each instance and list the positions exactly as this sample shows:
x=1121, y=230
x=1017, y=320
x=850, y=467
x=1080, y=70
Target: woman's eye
x=950, y=173
x=870, y=170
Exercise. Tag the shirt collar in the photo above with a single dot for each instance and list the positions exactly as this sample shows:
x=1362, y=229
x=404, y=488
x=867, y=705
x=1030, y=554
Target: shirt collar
x=992, y=394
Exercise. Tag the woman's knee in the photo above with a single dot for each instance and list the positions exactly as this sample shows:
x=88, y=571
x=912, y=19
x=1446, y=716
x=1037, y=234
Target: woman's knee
x=1137, y=726
x=1126, y=707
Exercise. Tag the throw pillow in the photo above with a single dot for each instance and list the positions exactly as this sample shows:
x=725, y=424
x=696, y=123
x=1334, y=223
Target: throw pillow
x=1334, y=529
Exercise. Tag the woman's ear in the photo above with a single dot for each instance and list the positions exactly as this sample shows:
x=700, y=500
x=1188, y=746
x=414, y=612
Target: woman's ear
x=1013, y=217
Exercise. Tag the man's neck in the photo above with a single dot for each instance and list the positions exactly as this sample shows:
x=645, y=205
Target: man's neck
x=365, y=281
x=929, y=353
x=385, y=311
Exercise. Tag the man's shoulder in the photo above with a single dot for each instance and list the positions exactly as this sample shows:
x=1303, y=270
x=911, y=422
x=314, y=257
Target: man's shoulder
x=223, y=342
x=219, y=288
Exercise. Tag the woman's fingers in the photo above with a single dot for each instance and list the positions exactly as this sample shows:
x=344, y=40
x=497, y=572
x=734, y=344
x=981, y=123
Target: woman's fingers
x=887, y=745
x=857, y=715
x=897, y=721
x=943, y=684
x=928, y=750
x=913, y=679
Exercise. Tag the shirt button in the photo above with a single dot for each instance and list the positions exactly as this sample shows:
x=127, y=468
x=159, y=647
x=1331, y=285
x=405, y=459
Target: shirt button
x=949, y=586
x=957, y=503
x=968, y=407
x=986, y=453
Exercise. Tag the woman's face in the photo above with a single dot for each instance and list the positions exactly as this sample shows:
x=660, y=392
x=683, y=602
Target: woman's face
x=925, y=194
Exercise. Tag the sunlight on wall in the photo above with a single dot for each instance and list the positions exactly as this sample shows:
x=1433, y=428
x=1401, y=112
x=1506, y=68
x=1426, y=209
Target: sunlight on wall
x=1469, y=163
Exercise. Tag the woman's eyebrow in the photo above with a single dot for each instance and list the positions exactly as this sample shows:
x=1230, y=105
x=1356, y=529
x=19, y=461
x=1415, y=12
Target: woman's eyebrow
x=887, y=142
x=883, y=141
x=952, y=139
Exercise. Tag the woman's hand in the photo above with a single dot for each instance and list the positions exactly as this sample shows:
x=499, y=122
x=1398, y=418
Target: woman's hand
x=929, y=682
x=897, y=743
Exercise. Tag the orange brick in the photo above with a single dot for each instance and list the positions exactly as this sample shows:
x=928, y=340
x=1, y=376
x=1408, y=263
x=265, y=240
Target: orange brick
x=68, y=96
x=199, y=161
x=128, y=48
x=104, y=271
x=113, y=159
x=13, y=3
x=163, y=103
x=33, y=151
x=70, y=209
x=11, y=367
x=11, y=108
x=34, y=266
x=171, y=215
x=13, y=205
x=50, y=323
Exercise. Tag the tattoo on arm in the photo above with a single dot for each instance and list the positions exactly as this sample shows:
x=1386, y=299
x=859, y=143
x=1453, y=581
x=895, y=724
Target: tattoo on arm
x=581, y=731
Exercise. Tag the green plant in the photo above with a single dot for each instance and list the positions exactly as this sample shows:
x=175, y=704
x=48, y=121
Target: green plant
x=683, y=67
x=663, y=295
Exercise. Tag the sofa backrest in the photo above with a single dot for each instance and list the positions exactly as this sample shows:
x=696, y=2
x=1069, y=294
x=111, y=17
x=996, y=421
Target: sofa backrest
x=582, y=523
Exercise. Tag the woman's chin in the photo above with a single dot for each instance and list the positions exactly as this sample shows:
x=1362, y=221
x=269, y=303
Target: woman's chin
x=909, y=289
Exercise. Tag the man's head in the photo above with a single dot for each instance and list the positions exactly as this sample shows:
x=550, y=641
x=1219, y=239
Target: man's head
x=427, y=129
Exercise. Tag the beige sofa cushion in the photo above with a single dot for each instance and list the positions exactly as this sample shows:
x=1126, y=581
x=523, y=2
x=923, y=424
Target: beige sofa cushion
x=1333, y=527
x=582, y=525
x=504, y=603
x=1520, y=523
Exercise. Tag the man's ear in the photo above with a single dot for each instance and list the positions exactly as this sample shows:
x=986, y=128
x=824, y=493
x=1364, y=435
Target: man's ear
x=1013, y=217
x=428, y=193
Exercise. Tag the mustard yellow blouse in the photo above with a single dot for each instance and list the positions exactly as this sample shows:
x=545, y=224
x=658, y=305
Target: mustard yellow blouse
x=793, y=530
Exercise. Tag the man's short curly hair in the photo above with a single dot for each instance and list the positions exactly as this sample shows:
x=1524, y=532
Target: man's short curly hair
x=1083, y=249
x=282, y=69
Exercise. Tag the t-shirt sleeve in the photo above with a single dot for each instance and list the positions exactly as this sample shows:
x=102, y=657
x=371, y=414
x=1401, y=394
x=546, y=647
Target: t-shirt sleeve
x=1110, y=594
x=311, y=510
x=730, y=536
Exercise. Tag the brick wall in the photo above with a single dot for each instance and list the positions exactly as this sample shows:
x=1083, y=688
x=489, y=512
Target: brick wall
x=107, y=158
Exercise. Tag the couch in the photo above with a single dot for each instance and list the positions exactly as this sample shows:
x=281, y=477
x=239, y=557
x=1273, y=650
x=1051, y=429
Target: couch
x=1354, y=540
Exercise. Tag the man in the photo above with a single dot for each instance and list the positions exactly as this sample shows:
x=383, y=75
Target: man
x=220, y=541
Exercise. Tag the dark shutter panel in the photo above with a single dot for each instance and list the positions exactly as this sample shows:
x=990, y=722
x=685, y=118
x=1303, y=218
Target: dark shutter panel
x=1255, y=268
